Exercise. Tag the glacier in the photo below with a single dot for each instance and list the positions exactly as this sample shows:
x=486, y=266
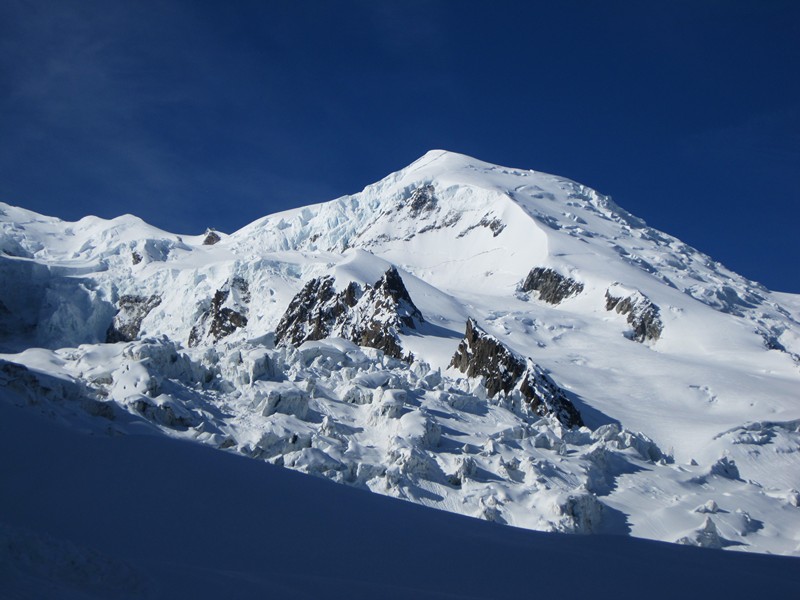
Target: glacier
x=684, y=374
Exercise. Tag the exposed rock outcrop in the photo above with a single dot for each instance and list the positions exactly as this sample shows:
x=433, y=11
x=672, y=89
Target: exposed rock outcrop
x=224, y=321
x=225, y=315
x=495, y=225
x=314, y=310
x=372, y=317
x=643, y=315
x=212, y=237
x=546, y=398
x=551, y=285
x=482, y=355
x=422, y=200
x=388, y=301
x=128, y=320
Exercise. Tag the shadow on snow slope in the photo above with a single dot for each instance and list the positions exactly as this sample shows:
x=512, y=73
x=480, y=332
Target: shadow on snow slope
x=167, y=519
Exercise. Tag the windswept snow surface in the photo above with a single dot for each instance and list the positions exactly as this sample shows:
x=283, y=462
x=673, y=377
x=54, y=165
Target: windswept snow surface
x=144, y=516
x=686, y=374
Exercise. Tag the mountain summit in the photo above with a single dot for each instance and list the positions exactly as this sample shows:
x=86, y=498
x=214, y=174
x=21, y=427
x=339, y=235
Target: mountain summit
x=498, y=342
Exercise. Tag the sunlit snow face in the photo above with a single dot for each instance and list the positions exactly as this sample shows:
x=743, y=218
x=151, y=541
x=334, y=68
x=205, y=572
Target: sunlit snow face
x=684, y=373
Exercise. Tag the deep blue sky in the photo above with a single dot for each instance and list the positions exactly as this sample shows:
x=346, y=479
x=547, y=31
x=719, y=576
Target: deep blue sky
x=193, y=114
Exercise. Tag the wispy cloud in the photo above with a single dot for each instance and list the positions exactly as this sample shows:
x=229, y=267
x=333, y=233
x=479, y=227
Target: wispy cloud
x=109, y=96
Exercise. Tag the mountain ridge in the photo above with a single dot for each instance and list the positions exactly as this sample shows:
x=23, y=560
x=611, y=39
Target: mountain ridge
x=673, y=361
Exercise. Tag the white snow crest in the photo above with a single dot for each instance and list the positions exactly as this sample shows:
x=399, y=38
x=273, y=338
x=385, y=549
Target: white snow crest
x=690, y=435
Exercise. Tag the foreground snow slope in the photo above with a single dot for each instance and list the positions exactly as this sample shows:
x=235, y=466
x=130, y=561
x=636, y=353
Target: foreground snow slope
x=323, y=339
x=142, y=516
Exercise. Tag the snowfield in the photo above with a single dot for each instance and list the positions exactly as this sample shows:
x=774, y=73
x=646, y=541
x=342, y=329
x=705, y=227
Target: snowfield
x=330, y=339
x=144, y=516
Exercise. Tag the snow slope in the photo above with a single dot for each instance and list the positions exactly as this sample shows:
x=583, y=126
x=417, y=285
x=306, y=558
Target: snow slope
x=142, y=516
x=685, y=374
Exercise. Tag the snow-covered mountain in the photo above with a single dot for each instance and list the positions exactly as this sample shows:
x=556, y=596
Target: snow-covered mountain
x=495, y=342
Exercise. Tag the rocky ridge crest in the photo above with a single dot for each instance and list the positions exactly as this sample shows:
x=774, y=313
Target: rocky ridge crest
x=482, y=355
x=373, y=316
x=552, y=287
x=642, y=314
